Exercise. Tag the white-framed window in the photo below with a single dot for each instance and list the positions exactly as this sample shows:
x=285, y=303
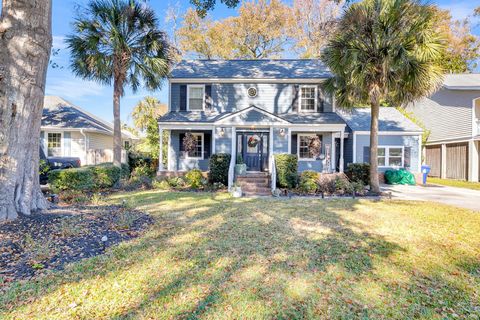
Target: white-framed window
x=391, y=156
x=198, y=152
x=308, y=99
x=303, y=146
x=195, y=97
x=54, y=144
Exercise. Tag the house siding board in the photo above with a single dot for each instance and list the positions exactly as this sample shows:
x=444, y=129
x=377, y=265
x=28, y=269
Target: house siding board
x=317, y=165
x=223, y=144
x=232, y=97
x=280, y=144
x=178, y=162
x=447, y=113
x=363, y=142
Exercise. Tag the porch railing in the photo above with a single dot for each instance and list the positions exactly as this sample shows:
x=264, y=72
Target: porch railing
x=273, y=173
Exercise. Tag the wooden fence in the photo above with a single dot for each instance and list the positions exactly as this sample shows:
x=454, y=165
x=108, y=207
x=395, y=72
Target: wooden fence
x=97, y=156
x=433, y=158
x=457, y=161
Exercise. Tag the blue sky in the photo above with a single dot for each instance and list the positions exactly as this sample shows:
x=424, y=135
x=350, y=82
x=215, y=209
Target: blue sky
x=97, y=98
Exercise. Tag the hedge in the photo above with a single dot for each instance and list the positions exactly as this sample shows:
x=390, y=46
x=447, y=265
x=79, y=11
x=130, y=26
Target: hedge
x=86, y=178
x=358, y=172
x=219, y=164
x=287, y=170
x=308, y=181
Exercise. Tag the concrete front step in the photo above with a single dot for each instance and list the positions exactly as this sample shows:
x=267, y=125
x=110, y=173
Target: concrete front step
x=254, y=180
x=255, y=184
x=256, y=189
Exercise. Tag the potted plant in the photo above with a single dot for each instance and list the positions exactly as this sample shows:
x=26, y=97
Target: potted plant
x=240, y=166
x=236, y=190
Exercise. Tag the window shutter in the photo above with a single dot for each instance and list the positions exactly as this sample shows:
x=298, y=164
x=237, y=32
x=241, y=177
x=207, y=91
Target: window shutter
x=407, y=155
x=296, y=101
x=67, y=144
x=180, y=145
x=294, y=143
x=320, y=99
x=366, y=154
x=207, y=145
x=208, y=96
x=183, y=97
x=322, y=147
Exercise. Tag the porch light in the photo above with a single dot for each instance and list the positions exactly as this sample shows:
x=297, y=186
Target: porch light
x=282, y=132
x=222, y=132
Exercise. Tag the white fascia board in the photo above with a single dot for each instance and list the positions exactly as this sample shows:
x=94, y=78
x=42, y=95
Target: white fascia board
x=246, y=80
x=391, y=133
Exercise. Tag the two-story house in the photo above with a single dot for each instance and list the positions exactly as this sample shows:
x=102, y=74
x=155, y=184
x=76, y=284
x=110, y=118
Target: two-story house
x=452, y=115
x=259, y=108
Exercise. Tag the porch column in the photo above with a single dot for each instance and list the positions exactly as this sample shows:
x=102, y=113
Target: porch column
x=332, y=155
x=214, y=138
x=342, y=135
x=270, y=148
x=160, y=157
x=473, y=158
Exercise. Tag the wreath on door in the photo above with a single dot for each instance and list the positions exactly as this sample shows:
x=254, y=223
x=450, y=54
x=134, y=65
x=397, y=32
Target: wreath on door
x=253, y=141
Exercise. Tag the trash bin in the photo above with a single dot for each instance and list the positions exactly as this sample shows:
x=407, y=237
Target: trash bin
x=425, y=172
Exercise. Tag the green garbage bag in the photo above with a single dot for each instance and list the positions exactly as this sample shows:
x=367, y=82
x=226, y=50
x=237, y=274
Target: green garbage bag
x=401, y=176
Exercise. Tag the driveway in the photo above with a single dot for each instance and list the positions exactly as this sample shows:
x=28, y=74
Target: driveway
x=465, y=198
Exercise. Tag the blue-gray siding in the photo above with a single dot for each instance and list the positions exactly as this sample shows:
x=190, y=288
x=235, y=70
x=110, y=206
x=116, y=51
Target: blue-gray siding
x=316, y=165
x=177, y=161
x=231, y=97
x=363, y=141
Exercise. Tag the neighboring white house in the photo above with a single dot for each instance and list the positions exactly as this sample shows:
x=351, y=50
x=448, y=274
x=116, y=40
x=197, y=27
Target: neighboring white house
x=69, y=131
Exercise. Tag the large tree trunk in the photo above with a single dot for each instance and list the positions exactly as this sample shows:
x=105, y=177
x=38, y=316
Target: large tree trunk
x=374, y=183
x=25, y=43
x=117, y=130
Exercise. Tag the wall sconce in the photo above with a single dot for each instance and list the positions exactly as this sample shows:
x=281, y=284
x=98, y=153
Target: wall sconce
x=222, y=132
x=282, y=132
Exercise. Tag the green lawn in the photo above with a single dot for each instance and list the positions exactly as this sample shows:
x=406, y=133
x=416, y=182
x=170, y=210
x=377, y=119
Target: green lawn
x=213, y=257
x=455, y=183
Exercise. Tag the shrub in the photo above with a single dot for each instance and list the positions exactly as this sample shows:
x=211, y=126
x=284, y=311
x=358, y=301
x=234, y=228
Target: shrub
x=194, y=178
x=105, y=175
x=143, y=170
x=219, y=164
x=287, y=168
x=308, y=182
x=125, y=171
x=136, y=159
x=161, y=184
x=342, y=185
x=71, y=179
x=358, y=172
x=176, y=182
x=326, y=183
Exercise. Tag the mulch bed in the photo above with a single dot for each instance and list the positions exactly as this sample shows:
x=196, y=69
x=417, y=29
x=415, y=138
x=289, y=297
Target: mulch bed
x=32, y=245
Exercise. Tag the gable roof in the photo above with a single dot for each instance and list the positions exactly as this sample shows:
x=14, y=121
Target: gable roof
x=462, y=81
x=59, y=113
x=253, y=115
x=251, y=69
x=390, y=119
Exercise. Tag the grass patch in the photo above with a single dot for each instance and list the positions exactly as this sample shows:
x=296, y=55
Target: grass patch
x=210, y=256
x=455, y=183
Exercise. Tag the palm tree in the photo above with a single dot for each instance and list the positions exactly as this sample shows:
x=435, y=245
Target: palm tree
x=383, y=51
x=119, y=41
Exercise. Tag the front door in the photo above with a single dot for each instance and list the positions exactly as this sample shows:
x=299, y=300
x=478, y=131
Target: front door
x=253, y=146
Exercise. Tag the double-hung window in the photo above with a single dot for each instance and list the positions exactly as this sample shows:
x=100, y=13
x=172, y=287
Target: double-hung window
x=304, y=145
x=308, y=98
x=390, y=156
x=196, y=97
x=54, y=144
x=197, y=153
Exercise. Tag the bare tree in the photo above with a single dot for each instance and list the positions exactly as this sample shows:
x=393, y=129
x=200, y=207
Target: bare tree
x=25, y=45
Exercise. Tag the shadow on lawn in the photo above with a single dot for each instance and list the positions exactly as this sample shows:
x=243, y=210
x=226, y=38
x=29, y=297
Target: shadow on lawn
x=256, y=252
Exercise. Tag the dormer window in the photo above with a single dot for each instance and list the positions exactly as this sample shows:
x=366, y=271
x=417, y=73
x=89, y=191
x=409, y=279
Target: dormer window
x=308, y=98
x=196, y=98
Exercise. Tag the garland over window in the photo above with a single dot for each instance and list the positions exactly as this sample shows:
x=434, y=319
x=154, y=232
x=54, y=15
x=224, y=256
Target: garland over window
x=189, y=142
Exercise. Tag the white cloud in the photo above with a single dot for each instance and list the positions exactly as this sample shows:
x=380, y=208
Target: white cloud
x=73, y=88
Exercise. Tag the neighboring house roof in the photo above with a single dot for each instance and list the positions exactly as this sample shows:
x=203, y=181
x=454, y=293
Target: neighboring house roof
x=59, y=113
x=254, y=69
x=462, y=81
x=390, y=119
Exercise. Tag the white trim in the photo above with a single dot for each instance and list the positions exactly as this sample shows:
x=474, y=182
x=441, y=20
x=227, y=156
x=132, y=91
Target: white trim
x=453, y=140
x=214, y=138
x=160, y=155
x=298, y=146
x=315, y=108
x=203, y=147
x=293, y=126
x=256, y=123
x=354, y=160
x=342, y=137
x=270, y=147
x=387, y=155
x=248, y=80
x=462, y=87
x=391, y=133
x=169, y=151
x=420, y=153
x=289, y=142
x=188, y=96
x=475, y=119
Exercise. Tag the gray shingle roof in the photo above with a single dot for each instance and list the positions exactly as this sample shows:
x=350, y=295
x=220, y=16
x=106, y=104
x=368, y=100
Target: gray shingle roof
x=255, y=69
x=390, y=119
x=189, y=116
x=60, y=113
x=192, y=117
x=463, y=81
